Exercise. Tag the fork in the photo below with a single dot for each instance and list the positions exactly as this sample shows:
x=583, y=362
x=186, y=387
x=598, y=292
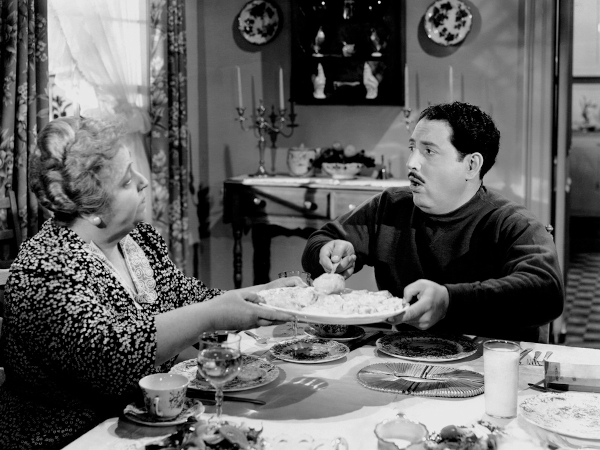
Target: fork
x=259, y=340
x=535, y=358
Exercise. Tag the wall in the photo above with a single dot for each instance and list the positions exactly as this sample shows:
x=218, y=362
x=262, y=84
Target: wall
x=504, y=66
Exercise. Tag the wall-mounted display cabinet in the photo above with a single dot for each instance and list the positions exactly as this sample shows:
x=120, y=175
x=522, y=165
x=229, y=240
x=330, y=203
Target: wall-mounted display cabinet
x=348, y=52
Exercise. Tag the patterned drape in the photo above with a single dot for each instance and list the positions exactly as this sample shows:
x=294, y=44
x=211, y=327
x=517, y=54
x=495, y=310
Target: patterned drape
x=24, y=108
x=168, y=111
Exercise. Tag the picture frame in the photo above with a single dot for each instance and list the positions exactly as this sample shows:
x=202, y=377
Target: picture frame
x=585, y=105
x=348, y=52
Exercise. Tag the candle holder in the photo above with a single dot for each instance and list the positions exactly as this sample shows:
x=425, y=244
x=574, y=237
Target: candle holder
x=407, y=119
x=273, y=127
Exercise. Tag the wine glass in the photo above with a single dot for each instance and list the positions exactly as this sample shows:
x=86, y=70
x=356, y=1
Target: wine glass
x=219, y=361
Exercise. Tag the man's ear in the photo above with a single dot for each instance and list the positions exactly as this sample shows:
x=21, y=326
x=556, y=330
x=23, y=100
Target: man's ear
x=475, y=162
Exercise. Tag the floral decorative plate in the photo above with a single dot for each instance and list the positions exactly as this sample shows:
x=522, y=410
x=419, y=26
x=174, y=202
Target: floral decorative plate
x=447, y=22
x=570, y=413
x=424, y=346
x=259, y=21
x=309, y=350
x=260, y=372
x=191, y=407
x=421, y=380
x=353, y=332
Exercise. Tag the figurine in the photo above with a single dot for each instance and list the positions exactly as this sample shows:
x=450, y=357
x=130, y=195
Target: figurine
x=319, y=39
x=319, y=82
x=347, y=49
x=377, y=42
x=370, y=81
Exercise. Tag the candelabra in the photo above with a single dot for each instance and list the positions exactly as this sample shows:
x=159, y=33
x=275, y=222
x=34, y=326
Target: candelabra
x=273, y=127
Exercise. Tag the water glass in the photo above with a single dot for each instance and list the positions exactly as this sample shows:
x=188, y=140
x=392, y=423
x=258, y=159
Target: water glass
x=219, y=361
x=501, y=378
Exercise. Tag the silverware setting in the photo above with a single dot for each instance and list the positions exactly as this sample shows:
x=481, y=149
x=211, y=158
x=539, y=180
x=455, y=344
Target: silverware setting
x=259, y=340
x=540, y=362
x=524, y=353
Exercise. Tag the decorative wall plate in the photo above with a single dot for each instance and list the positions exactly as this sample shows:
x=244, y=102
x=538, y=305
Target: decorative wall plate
x=421, y=380
x=259, y=21
x=573, y=414
x=425, y=346
x=267, y=373
x=447, y=22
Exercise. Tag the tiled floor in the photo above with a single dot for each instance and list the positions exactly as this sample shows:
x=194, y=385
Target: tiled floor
x=583, y=300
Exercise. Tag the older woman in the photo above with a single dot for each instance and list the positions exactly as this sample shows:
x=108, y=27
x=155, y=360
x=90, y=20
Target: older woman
x=93, y=302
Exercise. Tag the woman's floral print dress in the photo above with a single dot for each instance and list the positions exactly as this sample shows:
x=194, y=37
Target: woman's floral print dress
x=75, y=341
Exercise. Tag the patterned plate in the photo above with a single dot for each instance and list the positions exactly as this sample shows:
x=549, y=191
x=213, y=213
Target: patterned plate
x=570, y=413
x=309, y=350
x=421, y=380
x=447, y=22
x=268, y=373
x=259, y=21
x=191, y=407
x=424, y=346
x=353, y=332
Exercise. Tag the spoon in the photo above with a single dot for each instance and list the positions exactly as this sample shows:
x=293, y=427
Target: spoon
x=259, y=340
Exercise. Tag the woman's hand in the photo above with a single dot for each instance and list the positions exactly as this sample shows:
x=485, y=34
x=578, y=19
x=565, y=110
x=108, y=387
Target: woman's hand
x=240, y=310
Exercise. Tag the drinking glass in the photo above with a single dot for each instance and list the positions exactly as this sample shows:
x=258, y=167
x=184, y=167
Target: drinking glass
x=305, y=276
x=219, y=361
x=501, y=377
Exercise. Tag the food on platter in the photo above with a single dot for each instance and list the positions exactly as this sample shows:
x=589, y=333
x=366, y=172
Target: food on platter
x=330, y=283
x=200, y=435
x=479, y=436
x=307, y=299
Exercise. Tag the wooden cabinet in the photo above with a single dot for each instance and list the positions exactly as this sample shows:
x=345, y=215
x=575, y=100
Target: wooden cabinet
x=284, y=205
x=585, y=175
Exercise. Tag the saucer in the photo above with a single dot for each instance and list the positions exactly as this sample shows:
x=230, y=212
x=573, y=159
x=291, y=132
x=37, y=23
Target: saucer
x=191, y=407
x=354, y=332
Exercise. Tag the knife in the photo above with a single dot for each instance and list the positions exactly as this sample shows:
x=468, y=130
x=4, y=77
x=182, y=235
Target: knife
x=208, y=397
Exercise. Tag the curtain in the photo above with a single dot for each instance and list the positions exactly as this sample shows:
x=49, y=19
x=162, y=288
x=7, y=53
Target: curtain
x=24, y=108
x=168, y=112
x=99, y=56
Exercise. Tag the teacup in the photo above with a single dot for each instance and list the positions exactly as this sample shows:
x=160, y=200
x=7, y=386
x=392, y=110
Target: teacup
x=329, y=330
x=400, y=433
x=164, y=394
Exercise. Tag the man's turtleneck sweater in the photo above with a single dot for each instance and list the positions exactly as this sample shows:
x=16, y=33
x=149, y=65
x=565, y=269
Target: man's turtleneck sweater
x=497, y=261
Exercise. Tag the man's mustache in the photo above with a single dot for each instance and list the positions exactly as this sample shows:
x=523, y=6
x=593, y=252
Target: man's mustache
x=416, y=175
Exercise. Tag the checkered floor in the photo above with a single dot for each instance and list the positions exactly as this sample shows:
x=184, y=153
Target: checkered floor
x=583, y=301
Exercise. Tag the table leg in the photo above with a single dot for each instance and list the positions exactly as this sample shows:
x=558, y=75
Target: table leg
x=237, y=256
x=261, y=243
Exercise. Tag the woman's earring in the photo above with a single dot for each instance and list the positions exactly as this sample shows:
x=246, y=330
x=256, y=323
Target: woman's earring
x=96, y=220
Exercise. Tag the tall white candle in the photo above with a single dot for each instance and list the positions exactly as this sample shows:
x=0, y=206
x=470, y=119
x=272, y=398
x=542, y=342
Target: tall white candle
x=451, y=81
x=406, y=84
x=239, y=86
x=281, y=100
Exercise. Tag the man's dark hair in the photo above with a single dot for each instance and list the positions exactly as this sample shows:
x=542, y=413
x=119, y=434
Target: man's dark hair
x=472, y=130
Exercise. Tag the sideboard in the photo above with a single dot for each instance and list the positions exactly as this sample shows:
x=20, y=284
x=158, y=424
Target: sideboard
x=283, y=205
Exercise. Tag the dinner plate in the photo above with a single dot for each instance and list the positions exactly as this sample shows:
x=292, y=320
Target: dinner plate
x=191, y=407
x=309, y=350
x=447, y=22
x=259, y=21
x=421, y=380
x=269, y=373
x=340, y=319
x=353, y=332
x=424, y=346
x=572, y=414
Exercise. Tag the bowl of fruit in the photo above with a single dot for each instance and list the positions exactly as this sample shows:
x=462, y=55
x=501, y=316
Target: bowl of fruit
x=343, y=163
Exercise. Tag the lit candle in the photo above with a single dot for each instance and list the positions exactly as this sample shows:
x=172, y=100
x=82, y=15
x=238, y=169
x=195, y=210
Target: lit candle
x=451, y=79
x=406, y=83
x=239, y=85
x=281, y=100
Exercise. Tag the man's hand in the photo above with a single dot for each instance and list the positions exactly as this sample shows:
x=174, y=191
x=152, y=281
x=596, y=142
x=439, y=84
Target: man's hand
x=338, y=254
x=430, y=307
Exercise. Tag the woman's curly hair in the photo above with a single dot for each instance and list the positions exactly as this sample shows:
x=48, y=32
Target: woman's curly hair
x=69, y=166
x=472, y=130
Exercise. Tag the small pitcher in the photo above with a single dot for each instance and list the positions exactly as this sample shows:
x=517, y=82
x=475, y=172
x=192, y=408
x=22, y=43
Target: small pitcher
x=300, y=161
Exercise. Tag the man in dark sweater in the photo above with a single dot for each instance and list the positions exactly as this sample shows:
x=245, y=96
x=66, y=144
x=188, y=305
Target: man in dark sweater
x=467, y=259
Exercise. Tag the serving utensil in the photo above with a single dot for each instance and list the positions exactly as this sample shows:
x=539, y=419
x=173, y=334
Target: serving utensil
x=259, y=340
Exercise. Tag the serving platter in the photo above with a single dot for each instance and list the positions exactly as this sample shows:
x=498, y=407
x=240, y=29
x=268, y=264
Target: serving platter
x=268, y=373
x=340, y=319
x=425, y=346
x=572, y=414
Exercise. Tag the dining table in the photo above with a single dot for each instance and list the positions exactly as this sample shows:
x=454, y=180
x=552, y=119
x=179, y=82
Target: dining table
x=324, y=401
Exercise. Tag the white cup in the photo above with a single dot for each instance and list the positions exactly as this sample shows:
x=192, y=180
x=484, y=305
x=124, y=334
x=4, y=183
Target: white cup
x=501, y=378
x=400, y=433
x=164, y=394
